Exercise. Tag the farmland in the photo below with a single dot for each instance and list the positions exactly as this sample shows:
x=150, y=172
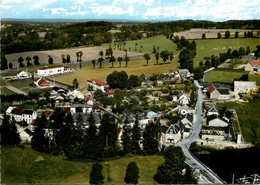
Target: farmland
x=249, y=121
x=208, y=47
x=25, y=168
x=136, y=66
x=148, y=43
x=5, y=91
x=89, y=53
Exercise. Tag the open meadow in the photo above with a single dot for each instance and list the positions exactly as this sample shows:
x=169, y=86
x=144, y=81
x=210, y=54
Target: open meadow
x=248, y=119
x=29, y=166
x=228, y=76
x=148, y=43
x=208, y=47
x=136, y=66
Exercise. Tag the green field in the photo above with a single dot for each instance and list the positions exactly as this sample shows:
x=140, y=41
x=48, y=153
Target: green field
x=248, y=115
x=148, y=43
x=23, y=85
x=208, y=47
x=136, y=66
x=6, y=92
x=18, y=165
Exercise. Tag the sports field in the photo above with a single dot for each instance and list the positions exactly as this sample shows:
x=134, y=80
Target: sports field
x=148, y=43
x=136, y=66
x=208, y=47
x=23, y=165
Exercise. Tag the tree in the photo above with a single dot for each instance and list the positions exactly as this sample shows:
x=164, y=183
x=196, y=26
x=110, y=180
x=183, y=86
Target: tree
x=136, y=136
x=235, y=53
x=174, y=170
x=154, y=49
x=9, y=133
x=63, y=59
x=112, y=60
x=151, y=138
x=94, y=63
x=50, y=60
x=28, y=59
x=141, y=47
x=236, y=34
x=75, y=83
x=203, y=36
x=119, y=59
x=118, y=80
x=157, y=56
x=248, y=50
x=38, y=138
x=96, y=176
x=198, y=73
x=79, y=56
x=136, y=44
x=164, y=55
x=68, y=59
x=219, y=35
x=132, y=173
x=4, y=62
x=171, y=56
x=20, y=61
x=101, y=53
x=36, y=60
x=126, y=61
x=125, y=138
x=100, y=60
x=133, y=81
x=227, y=34
x=245, y=35
x=207, y=64
x=10, y=65
x=242, y=51
x=147, y=58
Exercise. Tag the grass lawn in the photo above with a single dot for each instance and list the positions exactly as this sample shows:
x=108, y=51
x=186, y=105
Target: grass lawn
x=19, y=166
x=6, y=92
x=136, y=66
x=248, y=115
x=223, y=76
x=208, y=47
x=255, y=77
x=23, y=85
x=148, y=43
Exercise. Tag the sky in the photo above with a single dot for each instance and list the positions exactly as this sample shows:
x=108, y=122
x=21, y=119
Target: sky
x=162, y=10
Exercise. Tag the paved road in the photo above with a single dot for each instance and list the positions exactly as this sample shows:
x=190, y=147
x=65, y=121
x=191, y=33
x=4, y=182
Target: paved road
x=14, y=89
x=207, y=175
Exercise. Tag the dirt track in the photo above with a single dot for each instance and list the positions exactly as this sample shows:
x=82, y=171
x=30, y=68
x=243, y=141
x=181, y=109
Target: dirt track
x=89, y=53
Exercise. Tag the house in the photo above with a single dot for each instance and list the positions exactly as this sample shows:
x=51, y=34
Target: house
x=20, y=114
x=184, y=110
x=151, y=115
x=83, y=108
x=253, y=66
x=187, y=120
x=25, y=134
x=76, y=94
x=184, y=73
x=41, y=83
x=98, y=84
x=218, y=93
x=216, y=121
x=171, y=134
x=183, y=98
x=206, y=86
x=109, y=94
x=127, y=114
x=213, y=111
x=22, y=75
x=244, y=86
x=53, y=70
x=89, y=101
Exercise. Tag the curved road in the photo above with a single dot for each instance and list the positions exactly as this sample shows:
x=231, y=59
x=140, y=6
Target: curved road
x=208, y=176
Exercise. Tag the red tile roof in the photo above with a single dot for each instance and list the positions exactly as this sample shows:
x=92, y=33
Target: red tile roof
x=50, y=67
x=211, y=88
x=118, y=130
x=47, y=114
x=43, y=82
x=36, y=79
x=17, y=111
x=87, y=99
x=19, y=72
x=66, y=109
x=254, y=63
x=28, y=132
x=33, y=122
x=96, y=107
x=98, y=82
x=66, y=67
x=108, y=93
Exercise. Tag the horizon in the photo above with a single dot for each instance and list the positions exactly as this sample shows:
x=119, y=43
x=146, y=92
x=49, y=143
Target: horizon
x=135, y=10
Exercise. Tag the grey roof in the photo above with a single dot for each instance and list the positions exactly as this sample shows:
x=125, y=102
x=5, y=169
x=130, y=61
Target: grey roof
x=174, y=129
x=127, y=112
x=185, y=107
x=223, y=91
x=212, y=117
x=213, y=109
x=164, y=128
x=189, y=117
x=206, y=85
x=86, y=116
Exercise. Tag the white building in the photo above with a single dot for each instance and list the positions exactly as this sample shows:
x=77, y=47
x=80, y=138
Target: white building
x=19, y=114
x=244, y=86
x=22, y=75
x=213, y=111
x=76, y=94
x=98, y=84
x=171, y=134
x=215, y=121
x=53, y=70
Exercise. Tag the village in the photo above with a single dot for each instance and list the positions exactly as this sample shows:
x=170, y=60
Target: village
x=169, y=98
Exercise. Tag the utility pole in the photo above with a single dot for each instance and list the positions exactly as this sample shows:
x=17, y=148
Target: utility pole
x=233, y=178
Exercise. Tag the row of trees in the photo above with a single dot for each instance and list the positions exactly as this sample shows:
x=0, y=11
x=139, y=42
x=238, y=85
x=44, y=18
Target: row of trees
x=248, y=34
x=77, y=141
